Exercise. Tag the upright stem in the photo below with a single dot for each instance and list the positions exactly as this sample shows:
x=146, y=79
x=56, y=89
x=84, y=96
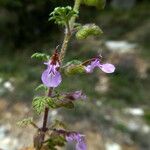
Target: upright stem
x=67, y=36
x=76, y=8
x=68, y=31
x=45, y=119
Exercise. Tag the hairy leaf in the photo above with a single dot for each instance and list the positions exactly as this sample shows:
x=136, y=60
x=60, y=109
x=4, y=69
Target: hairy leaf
x=25, y=122
x=62, y=15
x=39, y=104
x=88, y=30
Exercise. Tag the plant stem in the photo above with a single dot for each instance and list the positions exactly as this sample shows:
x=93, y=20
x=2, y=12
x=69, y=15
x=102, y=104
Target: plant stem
x=68, y=31
x=76, y=8
x=45, y=119
x=67, y=37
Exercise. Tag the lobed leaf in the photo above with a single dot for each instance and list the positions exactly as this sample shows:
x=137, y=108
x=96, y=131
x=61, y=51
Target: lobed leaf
x=40, y=56
x=62, y=15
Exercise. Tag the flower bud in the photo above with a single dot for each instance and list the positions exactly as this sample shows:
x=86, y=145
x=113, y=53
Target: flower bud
x=88, y=30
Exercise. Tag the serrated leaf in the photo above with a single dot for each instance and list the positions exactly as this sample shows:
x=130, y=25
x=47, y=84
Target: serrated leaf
x=41, y=87
x=40, y=56
x=52, y=103
x=25, y=122
x=39, y=104
x=62, y=15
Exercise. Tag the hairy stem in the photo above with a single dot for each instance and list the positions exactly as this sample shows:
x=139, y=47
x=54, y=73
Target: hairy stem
x=76, y=8
x=68, y=31
x=67, y=37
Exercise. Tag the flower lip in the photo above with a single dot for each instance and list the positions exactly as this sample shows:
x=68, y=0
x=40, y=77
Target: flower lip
x=95, y=62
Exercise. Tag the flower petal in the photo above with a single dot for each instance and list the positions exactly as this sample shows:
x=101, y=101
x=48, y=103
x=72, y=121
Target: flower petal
x=81, y=145
x=107, y=68
x=90, y=68
x=50, y=79
x=79, y=139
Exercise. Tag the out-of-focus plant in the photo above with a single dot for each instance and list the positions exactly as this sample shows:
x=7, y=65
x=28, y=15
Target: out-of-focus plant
x=57, y=133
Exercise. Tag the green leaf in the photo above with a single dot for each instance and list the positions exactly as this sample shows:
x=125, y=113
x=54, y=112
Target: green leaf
x=62, y=15
x=100, y=4
x=25, y=122
x=40, y=56
x=56, y=140
x=88, y=30
x=52, y=103
x=41, y=87
x=39, y=104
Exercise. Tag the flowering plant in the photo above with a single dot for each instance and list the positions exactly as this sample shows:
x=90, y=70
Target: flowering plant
x=56, y=134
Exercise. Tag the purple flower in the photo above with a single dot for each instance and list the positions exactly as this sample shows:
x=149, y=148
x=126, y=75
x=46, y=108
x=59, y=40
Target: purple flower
x=107, y=68
x=51, y=77
x=78, y=138
x=75, y=95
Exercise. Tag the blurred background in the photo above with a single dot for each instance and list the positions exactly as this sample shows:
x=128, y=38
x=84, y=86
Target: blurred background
x=116, y=115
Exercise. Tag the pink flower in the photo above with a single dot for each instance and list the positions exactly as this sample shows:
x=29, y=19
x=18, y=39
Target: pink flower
x=107, y=68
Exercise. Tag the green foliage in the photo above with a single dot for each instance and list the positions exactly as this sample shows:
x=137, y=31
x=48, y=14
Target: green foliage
x=39, y=104
x=52, y=103
x=40, y=56
x=56, y=140
x=88, y=30
x=25, y=122
x=100, y=4
x=62, y=15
